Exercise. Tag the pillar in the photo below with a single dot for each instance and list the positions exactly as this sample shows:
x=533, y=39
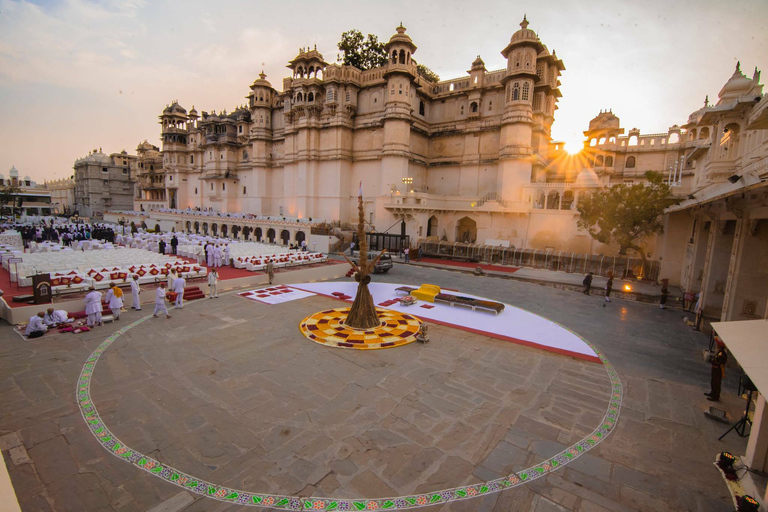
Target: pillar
x=716, y=266
x=747, y=288
x=757, y=446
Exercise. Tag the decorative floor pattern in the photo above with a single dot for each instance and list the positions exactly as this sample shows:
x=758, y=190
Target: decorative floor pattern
x=279, y=502
x=327, y=328
x=275, y=294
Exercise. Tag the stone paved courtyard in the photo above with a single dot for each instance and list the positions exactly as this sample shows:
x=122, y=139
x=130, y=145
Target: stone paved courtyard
x=229, y=391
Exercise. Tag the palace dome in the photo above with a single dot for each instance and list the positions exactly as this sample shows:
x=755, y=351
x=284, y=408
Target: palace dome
x=524, y=34
x=174, y=108
x=736, y=86
x=586, y=179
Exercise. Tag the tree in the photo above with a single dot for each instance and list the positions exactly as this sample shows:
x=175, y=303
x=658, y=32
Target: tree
x=8, y=195
x=427, y=73
x=363, y=53
x=626, y=214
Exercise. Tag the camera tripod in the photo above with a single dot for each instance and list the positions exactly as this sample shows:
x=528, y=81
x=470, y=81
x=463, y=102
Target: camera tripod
x=741, y=426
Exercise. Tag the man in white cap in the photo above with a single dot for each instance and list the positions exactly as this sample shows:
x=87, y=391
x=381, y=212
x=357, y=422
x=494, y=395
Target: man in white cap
x=36, y=327
x=160, y=306
x=178, y=286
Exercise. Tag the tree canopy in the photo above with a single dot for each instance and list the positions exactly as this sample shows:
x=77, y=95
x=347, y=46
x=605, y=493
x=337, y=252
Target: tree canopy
x=625, y=213
x=361, y=52
x=427, y=73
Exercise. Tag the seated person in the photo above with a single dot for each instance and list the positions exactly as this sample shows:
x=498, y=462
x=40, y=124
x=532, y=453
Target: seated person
x=53, y=318
x=36, y=327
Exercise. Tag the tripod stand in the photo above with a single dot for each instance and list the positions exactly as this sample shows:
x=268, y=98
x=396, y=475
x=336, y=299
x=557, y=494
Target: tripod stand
x=741, y=426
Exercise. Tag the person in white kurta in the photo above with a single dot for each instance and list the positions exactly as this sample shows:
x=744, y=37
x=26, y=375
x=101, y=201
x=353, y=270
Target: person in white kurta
x=36, y=327
x=217, y=256
x=209, y=253
x=213, y=284
x=160, y=306
x=115, y=300
x=226, y=254
x=200, y=253
x=178, y=286
x=171, y=278
x=53, y=318
x=93, y=307
x=135, y=291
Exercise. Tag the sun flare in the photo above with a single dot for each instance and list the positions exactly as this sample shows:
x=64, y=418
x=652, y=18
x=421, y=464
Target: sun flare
x=573, y=146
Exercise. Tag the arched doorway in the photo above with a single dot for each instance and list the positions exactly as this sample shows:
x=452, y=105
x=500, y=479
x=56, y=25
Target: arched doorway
x=300, y=237
x=197, y=227
x=258, y=234
x=205, y=228
x=466, y=230
x=189, y=226
x=271, y=235
x=246, y=232
x=224, y=230
x=553, y=200
x=285, y=236
x=214, y=229
x=432, y=226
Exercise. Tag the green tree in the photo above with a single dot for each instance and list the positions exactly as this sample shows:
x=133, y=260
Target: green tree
x=363, y=53
x=427, y=73
x=626, y=214
x=8, y=195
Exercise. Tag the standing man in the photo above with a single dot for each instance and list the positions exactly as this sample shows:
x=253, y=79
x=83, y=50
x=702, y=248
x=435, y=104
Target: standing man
x=352, y=248
x=135, y=291
x=200, y=253
x=160, y=306
x=213, y=284
x=174, y=244
x=36, y=327
x=217, y=256
x=664, y=293
x=178, y=286
x=115, y=300
x=407, y=252
x=587, y=283
x=718, y=371
x=226, y=254
x=608, y=288
x=208, y=254
x=271, y=271
x=161, y=246
x=93, y=307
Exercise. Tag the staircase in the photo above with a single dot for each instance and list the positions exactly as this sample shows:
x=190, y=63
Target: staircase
x=193, y=293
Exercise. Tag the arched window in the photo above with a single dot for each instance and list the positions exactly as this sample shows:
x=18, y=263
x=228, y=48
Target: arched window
x=609, y=161
x=402, y=56
x=692, y=134
x=516, y=91
x=593, y=142
x=630, y=162
x=192, y=159
x=473, y=106
x=421, y=108
x=612, y=140
x=674, y=138
x=599, y=161
x=311, y=97
x=394, y=57
x=633, y=140
x=526, y=90
x=299, y=97
x=245, y=156
x=601, y=141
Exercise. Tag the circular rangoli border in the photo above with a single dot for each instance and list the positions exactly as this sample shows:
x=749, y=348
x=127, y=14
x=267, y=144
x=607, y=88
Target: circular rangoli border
x=326, y=328
x=280, y=502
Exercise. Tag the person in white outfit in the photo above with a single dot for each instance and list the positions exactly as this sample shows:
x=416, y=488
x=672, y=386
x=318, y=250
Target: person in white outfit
x=209, y=253
x=226, y=254
x=135, y=291
x=93, y=307
x=171, y=279
x=53, y=318
x=178, y=286
x=200, y=253
x=36, y=326
x=160, y=306
x=217, y=256
x=213, y=284
x=114, y=299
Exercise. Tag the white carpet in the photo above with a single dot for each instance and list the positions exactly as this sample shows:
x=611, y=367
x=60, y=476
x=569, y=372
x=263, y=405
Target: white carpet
x=275, y=294
x=513, y=324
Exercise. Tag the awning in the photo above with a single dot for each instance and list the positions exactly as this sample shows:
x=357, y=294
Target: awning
x=748, y=342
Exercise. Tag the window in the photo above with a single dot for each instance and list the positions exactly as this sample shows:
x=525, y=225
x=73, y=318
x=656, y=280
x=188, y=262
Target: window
x=473, y=107
x=516, y=91
x=630, y=162
x=526, y=90
x=191, y=159
x=537, y=102
x=347, y=97
x=462, y=110
x=125, y=171
x=243, y=190
x=245, y=155
x=195, y=190
x=104, y=169
x=609, y=161
x=170, y=178
x=490, y=106
x=421, y=108
x=240, y=128
x=211, y=186
x=106, y=183
x=329, y=95
x=223, y=186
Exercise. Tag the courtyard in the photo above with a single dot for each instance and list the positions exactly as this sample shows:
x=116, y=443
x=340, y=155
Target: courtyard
x=230, y=392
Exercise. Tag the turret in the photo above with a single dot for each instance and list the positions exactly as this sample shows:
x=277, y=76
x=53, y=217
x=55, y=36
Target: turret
x=174, y=122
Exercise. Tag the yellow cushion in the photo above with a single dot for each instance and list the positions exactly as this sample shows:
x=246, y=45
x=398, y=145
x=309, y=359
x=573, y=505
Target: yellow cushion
x=426, y=292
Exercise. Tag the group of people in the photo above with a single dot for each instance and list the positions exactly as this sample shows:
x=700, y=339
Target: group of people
x=44, y=320
x=587, y=282
x=213, y=254
x=65, y=234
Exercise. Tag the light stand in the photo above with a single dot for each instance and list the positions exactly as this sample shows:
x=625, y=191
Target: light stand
x=741, y=426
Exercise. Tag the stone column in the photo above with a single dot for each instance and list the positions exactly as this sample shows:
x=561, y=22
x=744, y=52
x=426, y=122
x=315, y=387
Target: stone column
x=716, y=266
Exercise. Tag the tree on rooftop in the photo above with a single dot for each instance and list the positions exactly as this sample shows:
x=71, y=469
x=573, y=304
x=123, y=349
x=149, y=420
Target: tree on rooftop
x=427, y=73
x=361, y=52
x=626, y=214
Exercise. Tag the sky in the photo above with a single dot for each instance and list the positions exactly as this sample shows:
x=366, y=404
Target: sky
x=77, y=75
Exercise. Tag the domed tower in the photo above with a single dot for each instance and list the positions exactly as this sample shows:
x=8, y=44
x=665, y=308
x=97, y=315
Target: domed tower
x=192, y=118
x=307, y=83
x=476, y=78
x=515, y=165
x=174, y=123
x=601, y=139
x=399, y=73
x=260, y=100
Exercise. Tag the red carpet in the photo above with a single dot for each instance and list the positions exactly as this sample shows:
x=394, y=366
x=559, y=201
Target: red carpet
x=9, y=289
x=467, y=264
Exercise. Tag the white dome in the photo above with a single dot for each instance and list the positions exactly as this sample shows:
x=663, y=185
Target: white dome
x=587, y=178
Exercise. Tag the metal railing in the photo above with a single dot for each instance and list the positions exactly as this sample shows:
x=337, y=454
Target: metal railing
x=564, y=261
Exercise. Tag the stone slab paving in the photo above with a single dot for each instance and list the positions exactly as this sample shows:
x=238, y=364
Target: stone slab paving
x=229, y=391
